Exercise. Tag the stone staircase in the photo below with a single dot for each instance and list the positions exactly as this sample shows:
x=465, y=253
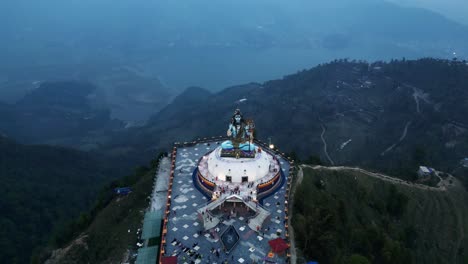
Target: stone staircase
x=207, y=223
x=212, y=205
x=260, y=217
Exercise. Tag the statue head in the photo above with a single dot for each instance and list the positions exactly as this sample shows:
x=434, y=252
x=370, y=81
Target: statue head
x=237, y=117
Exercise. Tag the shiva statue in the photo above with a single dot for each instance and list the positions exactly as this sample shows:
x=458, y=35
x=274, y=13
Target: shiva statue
x=240, y=133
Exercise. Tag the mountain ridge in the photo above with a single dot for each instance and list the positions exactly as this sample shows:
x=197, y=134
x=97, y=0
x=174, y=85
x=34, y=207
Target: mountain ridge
x=58, y=113
x=371, y=104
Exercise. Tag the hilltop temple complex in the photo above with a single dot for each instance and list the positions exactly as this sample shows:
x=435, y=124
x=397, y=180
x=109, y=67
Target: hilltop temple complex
x=227, y=200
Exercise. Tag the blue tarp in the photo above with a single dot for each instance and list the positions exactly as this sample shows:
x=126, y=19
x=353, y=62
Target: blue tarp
x=123, y=190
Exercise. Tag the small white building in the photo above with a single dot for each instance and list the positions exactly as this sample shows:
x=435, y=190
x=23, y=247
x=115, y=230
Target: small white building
x=425, y=172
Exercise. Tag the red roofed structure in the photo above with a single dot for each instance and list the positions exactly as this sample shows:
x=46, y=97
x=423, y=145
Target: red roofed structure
x=169, y=260
x=278, y=245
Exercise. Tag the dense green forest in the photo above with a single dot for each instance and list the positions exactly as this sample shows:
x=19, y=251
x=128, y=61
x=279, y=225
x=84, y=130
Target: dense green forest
x=348, y=217
x=43, y=188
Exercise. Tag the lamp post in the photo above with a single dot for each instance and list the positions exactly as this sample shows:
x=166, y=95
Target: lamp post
x=270, y=145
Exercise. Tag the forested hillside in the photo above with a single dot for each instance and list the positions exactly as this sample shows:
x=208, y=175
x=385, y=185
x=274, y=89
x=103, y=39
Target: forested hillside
x=103, y=236
x=349, y=217
x=43, y=187
x=391, y=116
x=64, y=113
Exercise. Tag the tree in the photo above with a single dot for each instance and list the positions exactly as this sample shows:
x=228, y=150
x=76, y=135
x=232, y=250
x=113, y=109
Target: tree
x=293, y=155
x=314, y=160
x=357, y=259
x=419, y=155
x=396, y=202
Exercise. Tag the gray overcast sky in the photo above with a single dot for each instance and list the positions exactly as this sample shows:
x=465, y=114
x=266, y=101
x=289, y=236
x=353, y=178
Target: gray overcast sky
x=454, y=9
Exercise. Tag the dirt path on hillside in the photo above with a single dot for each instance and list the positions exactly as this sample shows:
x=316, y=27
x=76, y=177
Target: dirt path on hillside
x=403, y=136
x=325, y=145
x=440, y=187
x=417, y=95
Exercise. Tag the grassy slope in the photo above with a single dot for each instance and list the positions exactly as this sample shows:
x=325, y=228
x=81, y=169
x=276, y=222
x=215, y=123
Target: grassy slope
x=107, y=238
x=439, y=219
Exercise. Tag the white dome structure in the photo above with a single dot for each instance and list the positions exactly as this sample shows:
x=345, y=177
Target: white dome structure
x=217, y=168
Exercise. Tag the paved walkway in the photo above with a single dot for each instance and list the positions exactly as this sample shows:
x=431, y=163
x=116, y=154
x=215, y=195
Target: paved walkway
x=161, y=184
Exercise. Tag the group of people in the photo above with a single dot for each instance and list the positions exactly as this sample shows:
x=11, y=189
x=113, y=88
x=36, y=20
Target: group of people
x=226, y=189
x=243, y=190
x=190, y=252
x=215, y=251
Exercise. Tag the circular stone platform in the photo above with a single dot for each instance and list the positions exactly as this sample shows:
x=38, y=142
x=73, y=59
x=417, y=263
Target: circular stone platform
x=238, y=170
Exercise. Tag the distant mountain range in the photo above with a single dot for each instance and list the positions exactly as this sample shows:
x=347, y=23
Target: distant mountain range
x=130, y=93
x=215, y=44
x=382, y=115
x=454, y=9
x=394, y=115
x=57, y=113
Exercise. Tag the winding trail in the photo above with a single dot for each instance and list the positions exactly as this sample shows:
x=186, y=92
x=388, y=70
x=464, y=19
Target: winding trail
x=418, y=94
x=325, y=145
x=416, y=99
x=402, y=137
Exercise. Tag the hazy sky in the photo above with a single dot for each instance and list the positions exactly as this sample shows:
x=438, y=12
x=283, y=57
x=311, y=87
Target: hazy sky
x=218, y=43
x=453, y=9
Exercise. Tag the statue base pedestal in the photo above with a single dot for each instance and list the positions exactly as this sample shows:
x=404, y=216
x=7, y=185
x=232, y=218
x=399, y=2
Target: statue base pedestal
x=237, y=153
x=236, y=149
